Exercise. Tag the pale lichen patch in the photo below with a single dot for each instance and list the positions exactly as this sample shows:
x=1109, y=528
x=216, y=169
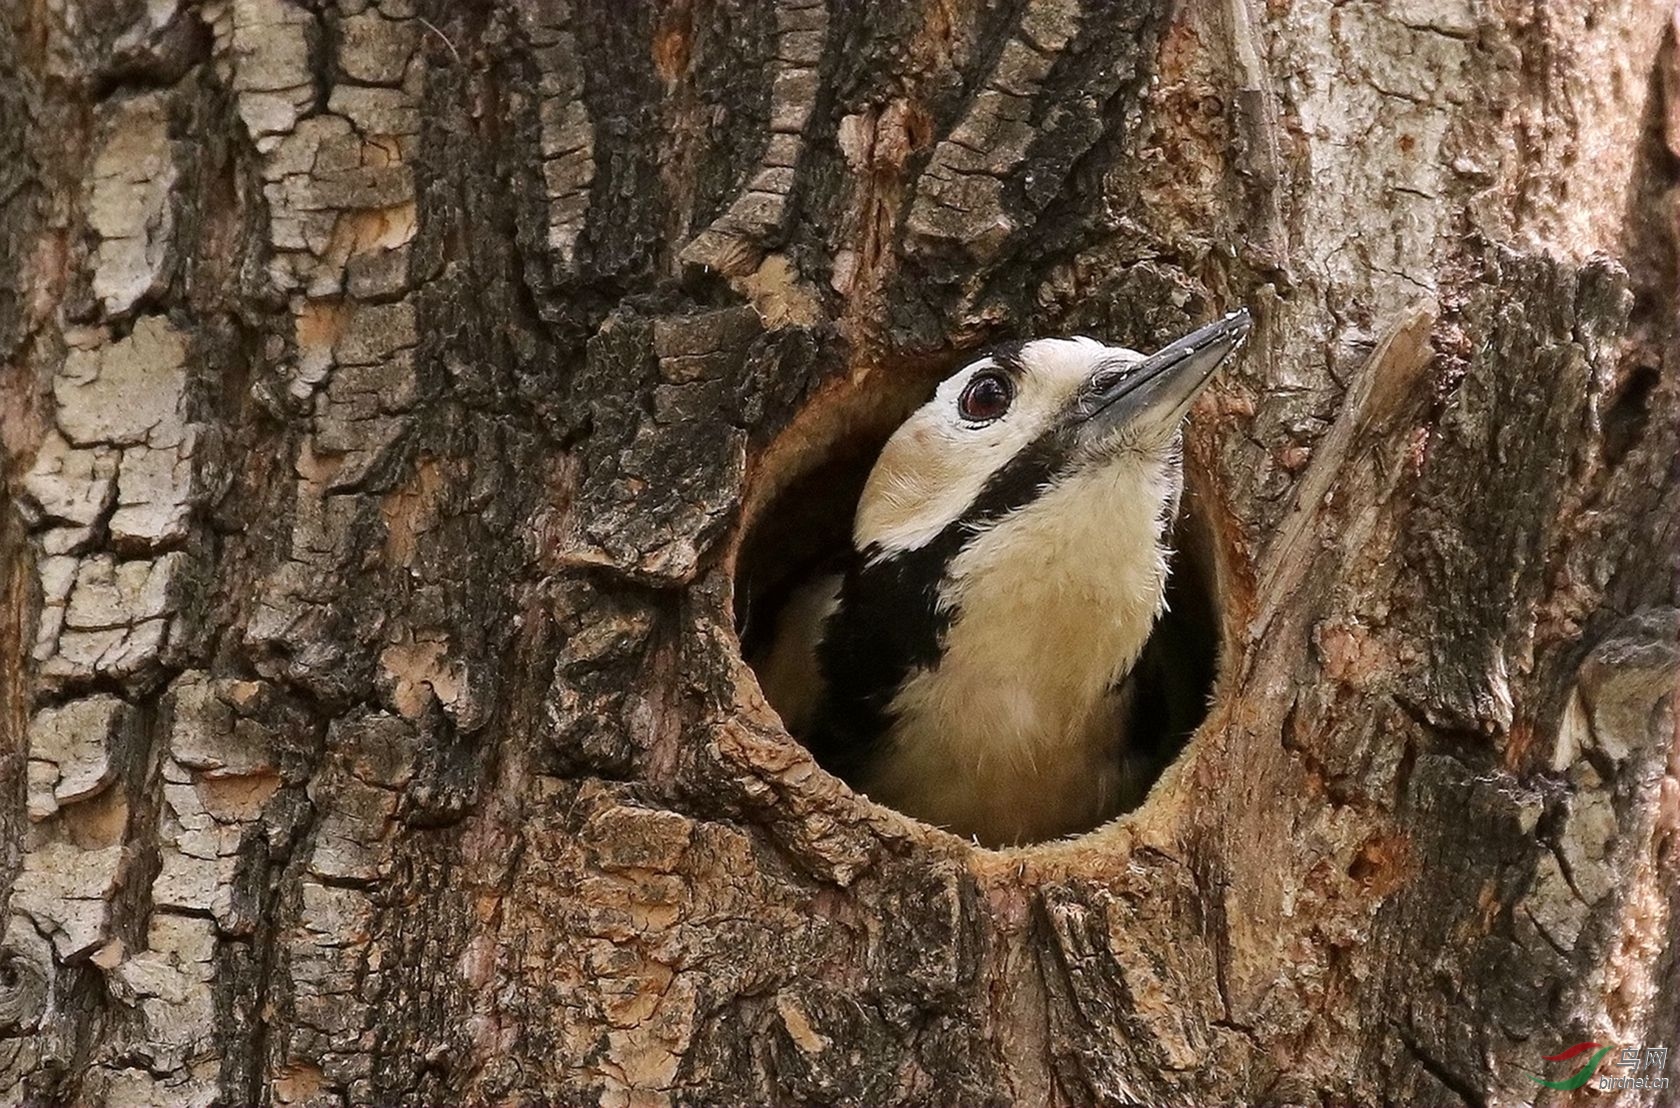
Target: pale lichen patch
x=375, y=49
x=219, y=774
x=70, y=490
x=134, y=175
x=168, y=982
x=71, y=751
x=66, y=892
x=128, y=392
x=271, y=75
x=158, y=489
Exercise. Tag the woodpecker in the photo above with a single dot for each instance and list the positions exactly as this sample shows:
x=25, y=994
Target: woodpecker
x=1009, y=559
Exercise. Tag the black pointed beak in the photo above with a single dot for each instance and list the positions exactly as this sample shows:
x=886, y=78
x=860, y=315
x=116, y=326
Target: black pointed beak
x=1156, y=392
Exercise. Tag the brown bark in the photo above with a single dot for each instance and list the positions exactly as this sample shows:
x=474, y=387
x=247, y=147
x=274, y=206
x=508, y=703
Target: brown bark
x=390, y=388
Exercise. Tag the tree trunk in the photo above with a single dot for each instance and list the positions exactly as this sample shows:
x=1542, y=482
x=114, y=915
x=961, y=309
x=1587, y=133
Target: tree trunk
x=397, y=395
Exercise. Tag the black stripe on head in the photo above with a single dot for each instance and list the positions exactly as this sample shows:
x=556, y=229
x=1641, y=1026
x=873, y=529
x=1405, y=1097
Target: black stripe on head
x=1019, y=482
x=889, y=623
x=1007, y=357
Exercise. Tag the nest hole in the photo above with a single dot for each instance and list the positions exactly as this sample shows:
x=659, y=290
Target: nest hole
x=798, y=525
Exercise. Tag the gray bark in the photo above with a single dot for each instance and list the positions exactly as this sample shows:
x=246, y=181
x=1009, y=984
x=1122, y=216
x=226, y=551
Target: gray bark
x=391, y=387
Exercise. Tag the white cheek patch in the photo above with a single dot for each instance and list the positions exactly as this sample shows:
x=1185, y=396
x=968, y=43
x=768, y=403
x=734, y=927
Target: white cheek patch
x=928, y=476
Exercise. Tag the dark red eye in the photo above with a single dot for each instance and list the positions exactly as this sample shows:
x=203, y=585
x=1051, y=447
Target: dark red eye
x=986, y=397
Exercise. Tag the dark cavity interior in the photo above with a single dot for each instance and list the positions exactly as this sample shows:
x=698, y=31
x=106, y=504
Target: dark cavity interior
x=1181, y=658
x=806, y=530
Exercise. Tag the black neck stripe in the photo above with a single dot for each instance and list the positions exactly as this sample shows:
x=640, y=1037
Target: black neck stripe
x=889, y=622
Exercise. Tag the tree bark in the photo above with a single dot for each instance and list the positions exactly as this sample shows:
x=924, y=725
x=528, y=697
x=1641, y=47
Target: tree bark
x=391, y=388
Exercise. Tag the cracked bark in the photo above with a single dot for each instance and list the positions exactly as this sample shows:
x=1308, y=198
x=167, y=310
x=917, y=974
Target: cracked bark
x=389, y=387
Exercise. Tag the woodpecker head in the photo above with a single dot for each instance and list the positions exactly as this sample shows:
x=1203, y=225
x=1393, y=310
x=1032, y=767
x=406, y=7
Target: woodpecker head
x=1013, y=425
x=1010, y=562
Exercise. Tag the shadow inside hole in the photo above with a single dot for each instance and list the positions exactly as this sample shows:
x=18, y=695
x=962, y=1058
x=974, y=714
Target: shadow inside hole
x=805, y=531
x=1180, y=661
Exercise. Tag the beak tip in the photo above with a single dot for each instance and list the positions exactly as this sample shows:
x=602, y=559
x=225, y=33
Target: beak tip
x=1237, y=324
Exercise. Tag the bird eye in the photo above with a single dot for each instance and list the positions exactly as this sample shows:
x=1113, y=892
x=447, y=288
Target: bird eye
x=986, y=397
